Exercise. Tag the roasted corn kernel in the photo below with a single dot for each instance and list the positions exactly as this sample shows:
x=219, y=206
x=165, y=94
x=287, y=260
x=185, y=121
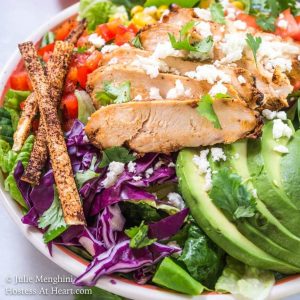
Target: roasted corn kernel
x=141, y=19
x=136, y=9
x=238, y=4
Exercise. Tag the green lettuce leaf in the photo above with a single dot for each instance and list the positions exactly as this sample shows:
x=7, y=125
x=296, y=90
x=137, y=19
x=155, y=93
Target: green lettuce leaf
x=119, y=154
x=244, y=281
x=139, y=236
x=53, y=220
x=203, y=259
x=13, y=98
x=85, y=106
x=231, y=195
x=7, y=157
x=82, y=177
x=10, y=184
x=95, y=12
x=182, y=3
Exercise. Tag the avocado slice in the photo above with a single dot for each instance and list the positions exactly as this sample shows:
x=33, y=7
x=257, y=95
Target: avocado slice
x=264, y=221
x=223, y=232
x=290, y=170
x=264, y=166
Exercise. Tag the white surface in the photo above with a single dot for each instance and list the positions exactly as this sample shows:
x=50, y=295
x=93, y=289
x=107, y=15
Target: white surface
x=18, y=18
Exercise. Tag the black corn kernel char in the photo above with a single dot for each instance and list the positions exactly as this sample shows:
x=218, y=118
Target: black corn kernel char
x=57, y=68
x=60, y=160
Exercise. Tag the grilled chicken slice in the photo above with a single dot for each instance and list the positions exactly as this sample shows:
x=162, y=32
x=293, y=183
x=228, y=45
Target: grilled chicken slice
x=166, y=126
x=142, y=85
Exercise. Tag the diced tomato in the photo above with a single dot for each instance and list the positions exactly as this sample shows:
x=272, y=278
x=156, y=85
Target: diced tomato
x=105, y=32
x=35, y=124
x=249, y=20
x=70, y=86
x=115, y=25
x=62, y=31
x=124, y=38
x=93, y=60
x=20, y=81
x=72, y=74
x=132, y=28
x=47, y=48
x=82, y=73
x=22, y=105
x=69, y=105
x=292, y=30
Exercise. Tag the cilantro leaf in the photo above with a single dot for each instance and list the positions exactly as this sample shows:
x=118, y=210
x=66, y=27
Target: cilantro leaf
x=81, y=49
x=53, y=219
x=119, y=154
x=138, y=236
x=114, y=94
x=266, y=23
x=231, y=195
x=83, y=176
x=206, y=110
x=217, y=13
x=183, y=43
x=253, y=43
x=136, y=42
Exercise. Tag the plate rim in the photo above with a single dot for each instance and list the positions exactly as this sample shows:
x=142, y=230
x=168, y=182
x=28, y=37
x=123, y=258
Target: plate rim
x=74, y=264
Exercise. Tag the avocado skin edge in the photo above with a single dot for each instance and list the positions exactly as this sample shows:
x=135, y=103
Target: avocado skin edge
x=239, y=247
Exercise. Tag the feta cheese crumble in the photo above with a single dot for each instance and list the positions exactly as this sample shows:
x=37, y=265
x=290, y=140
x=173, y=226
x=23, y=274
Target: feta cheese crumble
x=138, y=98
x=281, y=129
x=233, y=47
x=270, y=115
x=202, y=163
x=282, y=24
x=281, y=115
x=131, y=167
x=281, y=149
x=162, y=50
x=218, y=88
x=203, y=28
x=109, y=48
x=240, y=25
x=115, y=169
x=241, y=79
x=217, y=154
x=154, y=94
x=149, y=172
x=203, y=14
x=176, y=200
x=178, y=91
x=96, y=40
x=137, y=178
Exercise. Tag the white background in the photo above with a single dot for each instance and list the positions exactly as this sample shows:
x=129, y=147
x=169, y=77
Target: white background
x=18, y=19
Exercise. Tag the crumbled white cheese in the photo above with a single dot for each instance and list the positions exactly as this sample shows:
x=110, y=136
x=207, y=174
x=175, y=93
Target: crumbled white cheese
x=285, y=64
x=176, y=200
x=282, y=24
x=209, y=73
x=201, y=161
x=281, y=129
x=149, y=172
x=164, y=50
x=203, y=28
x=138, y=98
x=233, y=47
x=158, y=164
x=137, y=178
x=154, y=94
x=231, y=13
x=150, y=65
x=113, y=61
x=217, y=38
x=131, y=167
x=241, y=79
x=114, y=170
x=202, y=13
x=240, y=25
x=171, y=165
x=218, y=88
x=281, y=115
x=96, y=40
x=109, y=48
x=208, y=181
x=281, y=149
x=178, y=91
x=217, y=154
x=269, y=114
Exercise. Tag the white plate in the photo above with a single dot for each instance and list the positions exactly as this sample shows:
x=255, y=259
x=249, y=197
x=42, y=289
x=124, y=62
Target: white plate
x=76, y=265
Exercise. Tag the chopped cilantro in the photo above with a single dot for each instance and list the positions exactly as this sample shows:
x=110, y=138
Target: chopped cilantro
x=136, y=42
x=119, y=154
x=217, y=13
x=253, y=43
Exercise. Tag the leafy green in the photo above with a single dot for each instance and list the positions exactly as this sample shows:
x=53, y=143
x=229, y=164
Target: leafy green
x=129, y=4
x=206, y=110
x=174, y=277
x=136, y=42
x=247, y=4
x=7, y=157
x=244, y=281
x=85, y=106
x=10, y=184
x=53, y=220
x=119, y=154
x=13, y=98
x=81, y=49
x=95, y=12
x=119, y=12
x=253, y=43
x=6, y=129
x=202, y=258
x=97, y=294
x=231, y=195
x=266, y=23
x=114, y=94
x=139, y=236
x=48, y=38
x=182, y=3
x=83, y=176
x=276, y=7
x=183, y=43
x=217, y=13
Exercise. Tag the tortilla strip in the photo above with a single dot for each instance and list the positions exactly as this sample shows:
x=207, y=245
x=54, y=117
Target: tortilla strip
x=75, y=34
x=60, y=160
x=57, y=68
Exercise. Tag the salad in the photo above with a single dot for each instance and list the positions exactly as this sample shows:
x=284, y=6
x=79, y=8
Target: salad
x=159, y=141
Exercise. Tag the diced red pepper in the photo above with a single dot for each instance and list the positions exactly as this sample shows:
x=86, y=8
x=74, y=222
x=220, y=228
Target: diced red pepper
x=132, y=28
x=105, y=32
x=47, y=48
x=249, y=20
x=93, y=60
x=82, y=73
x=124, y=38
x=292, y=29
x=62, y=31
x=72, y=74
x=69, y=105
x=20, y=81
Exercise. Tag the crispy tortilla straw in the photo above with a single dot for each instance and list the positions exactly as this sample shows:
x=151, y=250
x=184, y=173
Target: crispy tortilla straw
x=60, y=160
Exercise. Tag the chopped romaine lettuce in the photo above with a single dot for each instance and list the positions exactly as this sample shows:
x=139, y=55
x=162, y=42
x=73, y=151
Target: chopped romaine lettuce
x=85, y=106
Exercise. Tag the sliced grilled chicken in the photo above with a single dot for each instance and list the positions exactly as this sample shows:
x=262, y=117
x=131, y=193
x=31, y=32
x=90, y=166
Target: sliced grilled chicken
x=166, y=126
x=164, y=86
